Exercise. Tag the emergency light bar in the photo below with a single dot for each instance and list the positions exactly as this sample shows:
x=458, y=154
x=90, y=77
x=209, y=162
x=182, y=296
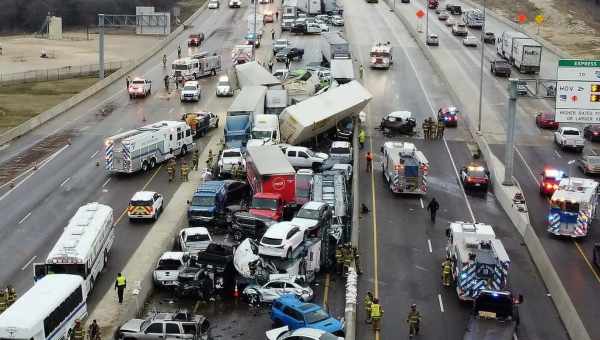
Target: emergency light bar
x=475, y=168
x=553, y=173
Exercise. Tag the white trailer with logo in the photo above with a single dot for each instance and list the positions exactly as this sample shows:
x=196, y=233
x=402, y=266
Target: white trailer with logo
x=145, y=147
x=573, y=207
x=479, y=260
x=526, y=55
x=84, y=246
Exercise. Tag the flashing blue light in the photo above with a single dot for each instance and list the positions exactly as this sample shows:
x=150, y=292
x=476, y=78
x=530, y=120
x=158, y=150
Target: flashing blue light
x=494, y=294
x=463, y=276
x=446, y=118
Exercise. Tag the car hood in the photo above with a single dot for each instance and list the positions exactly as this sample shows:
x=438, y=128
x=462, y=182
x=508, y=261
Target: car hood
x=223, y=88
x=275, y=333
x=231, y=160
x=305, y=223
x=202, y=208
x=244, y=254
x=189, y=92
x=322, y=155
x=330, y=325
x=133, y=325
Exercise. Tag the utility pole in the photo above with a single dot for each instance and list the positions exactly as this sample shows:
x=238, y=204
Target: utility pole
x=255, y=33
x=481, y=71
x=510, y=132
x=101, y=46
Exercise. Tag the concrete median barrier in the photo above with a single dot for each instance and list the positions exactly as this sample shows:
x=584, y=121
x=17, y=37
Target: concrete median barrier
x=504, y=194
x=66, y=105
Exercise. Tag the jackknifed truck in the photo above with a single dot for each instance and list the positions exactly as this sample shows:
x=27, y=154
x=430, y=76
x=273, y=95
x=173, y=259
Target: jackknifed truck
x=319, y=114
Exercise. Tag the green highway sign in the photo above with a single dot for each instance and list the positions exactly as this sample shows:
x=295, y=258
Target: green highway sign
x=578, y=63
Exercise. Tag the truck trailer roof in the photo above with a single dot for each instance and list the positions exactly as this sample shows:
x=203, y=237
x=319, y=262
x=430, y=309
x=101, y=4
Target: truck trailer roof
x=270, y=160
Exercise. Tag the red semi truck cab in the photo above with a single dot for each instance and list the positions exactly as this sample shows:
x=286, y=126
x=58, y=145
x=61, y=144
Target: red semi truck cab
x=273, y=181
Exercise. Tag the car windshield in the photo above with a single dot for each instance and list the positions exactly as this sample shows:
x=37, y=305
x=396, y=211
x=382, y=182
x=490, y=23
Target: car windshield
x=343, y=151
x=189, y=88
x=549, y=116
x=310, y=153
x=316, y=316
x=180, y=67
x=223, y=83
x=261, y=134
x=141, y=203
x=308, y=214
x=138, y=82
x=168, y=264
x=501, y=63
x=571, y=132
x=264, y=203
x=203, y=201
x=477, y=173
x=271, y=241
x=593, y=160
x=197, y=238
x=231, y=154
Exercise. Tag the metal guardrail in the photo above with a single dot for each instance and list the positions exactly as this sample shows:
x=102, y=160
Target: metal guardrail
x=59, y=73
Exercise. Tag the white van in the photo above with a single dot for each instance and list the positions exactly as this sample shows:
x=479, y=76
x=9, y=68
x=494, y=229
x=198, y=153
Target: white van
x=313, y=28
x=265, y=130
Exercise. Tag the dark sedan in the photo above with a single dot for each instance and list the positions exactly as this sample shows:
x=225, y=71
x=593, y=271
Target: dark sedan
x=592, y=133
x=500, y=67
x=299, y=27
x=546, y=120
x=289, y=53
x=489, y=38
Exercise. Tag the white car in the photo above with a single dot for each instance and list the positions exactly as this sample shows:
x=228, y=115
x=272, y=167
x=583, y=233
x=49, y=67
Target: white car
x=284, y=333
x=224, y=88
x=229, y=158
x=323, y=25
x=190, y=91
x=341, y=150
x=145, y=205
x=451, y=21
x=569, y=137
x=312, y=216
x=460, y=30
x=274, y=289
x=313, y=28
x=139, y=87
x=194, y=240
x=303, y=157
x=471, y=41
x=280, y=240
x=167, y=269
x=235, y=3
x=213, y=4
x=337, y=20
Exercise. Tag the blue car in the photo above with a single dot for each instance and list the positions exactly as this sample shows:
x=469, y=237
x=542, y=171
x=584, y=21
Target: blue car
x=290, y=311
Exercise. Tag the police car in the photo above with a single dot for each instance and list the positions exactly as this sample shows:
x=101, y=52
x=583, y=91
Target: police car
x=550, y=178
x=475, y=176
x=145, y=205
x=448, y=115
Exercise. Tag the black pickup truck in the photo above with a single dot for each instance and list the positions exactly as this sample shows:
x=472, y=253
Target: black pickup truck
x=495, y=316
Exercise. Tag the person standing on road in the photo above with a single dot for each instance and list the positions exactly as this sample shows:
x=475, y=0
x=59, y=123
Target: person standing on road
x=433, y=207
x=94, y=331
x=273, y=34
x=179, y=52
x=184, y=171
x=127, y=80
x=368, y=301
x=440, y=129
x=195, y=159
x=369, y=161
x=362, y=136
x=361, y=71
x=78, y=331
x=413, y=320
x=166, y=82
x=277, y=15
x=120, y=284
x=376, y=314
x=271, y=65
x=287, y=62
x=446, y=272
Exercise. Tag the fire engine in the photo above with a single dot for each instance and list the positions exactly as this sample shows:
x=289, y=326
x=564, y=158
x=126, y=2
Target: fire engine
x=573, y=207
x=381, y=56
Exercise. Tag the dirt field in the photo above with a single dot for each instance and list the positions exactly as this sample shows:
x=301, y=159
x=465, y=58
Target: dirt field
x=18, y=103
x=571, y=25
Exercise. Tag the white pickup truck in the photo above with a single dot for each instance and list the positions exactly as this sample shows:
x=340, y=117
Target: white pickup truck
x=569, y=138
x=168, y=266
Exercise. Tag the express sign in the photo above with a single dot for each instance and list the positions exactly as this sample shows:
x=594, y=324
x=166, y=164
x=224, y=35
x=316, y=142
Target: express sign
x=578, y=91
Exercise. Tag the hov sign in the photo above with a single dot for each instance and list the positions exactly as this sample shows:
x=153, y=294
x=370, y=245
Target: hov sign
x=578, y=91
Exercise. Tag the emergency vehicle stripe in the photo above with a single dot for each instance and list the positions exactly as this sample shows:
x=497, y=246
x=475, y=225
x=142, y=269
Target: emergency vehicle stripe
x=554, y=223
x=109, y=156
x=582, y=224
x=126, y=153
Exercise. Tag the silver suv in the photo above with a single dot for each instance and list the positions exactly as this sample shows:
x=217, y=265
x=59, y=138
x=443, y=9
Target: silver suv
x=180, y=325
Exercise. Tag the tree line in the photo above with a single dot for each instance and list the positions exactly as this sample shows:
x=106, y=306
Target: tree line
x=29, y=15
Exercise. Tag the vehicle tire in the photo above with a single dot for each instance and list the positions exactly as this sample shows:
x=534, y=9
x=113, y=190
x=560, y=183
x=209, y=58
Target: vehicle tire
x=152, y=163
x=183, y=150
x=144, y=166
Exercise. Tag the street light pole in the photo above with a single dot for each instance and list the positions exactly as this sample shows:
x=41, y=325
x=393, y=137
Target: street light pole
x=255, y=34
x=481, y=71
x=101, y=46
x=510, y=132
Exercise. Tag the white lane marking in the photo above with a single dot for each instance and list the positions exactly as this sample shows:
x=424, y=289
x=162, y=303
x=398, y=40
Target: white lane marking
x=434, y=114
x=94, y=154
x=44, y=162
x=24, y=218
x=421, y=268
x=429, y=245
x=28, y=262
x=535, y=179
x=16, y=186
x=557, y=154
x=441, y=303
x=105, y=183
x=421, y=201
x=65, y=181
x=515, y=336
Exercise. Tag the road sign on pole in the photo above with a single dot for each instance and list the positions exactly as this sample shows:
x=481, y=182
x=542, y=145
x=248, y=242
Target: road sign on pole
x=578, y=91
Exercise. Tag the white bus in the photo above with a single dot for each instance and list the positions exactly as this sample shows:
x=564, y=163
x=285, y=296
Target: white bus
x=83, y=247
x=46, y=311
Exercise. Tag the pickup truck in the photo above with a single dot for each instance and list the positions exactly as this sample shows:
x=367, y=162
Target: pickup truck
x=168, y=266
x=495, y=316
x=569, y=137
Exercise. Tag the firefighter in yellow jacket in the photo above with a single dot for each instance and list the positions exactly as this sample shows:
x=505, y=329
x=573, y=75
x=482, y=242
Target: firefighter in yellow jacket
x=376, y=314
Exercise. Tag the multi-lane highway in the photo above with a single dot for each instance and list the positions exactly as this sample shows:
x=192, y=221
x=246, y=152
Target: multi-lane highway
x=401, y=250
